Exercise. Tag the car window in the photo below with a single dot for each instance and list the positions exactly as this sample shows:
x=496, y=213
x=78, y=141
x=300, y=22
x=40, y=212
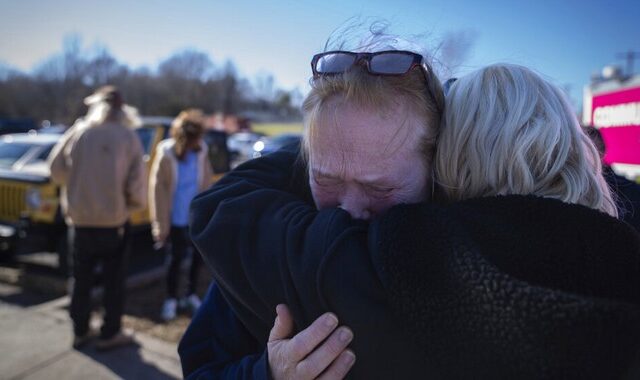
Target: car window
x=44, y=154
x=11, y=152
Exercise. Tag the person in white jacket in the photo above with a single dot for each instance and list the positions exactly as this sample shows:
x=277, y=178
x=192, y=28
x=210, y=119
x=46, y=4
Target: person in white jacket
x=180, y=170
x=98, y=163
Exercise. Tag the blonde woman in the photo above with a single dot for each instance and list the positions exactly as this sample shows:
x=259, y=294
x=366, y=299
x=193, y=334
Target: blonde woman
x=180, y=170
x=520, y=271
x=372, y=119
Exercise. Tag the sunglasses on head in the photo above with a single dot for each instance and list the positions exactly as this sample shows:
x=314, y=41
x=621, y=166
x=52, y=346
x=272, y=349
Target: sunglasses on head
x=390, y=62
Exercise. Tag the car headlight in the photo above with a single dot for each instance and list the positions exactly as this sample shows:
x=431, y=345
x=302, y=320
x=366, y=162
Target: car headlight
x=33, y=198
x=7, y=231
x=258, y=146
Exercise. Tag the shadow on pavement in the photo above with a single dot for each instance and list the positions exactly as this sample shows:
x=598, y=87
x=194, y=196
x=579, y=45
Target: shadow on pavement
x=129, y=362
x=17, y=296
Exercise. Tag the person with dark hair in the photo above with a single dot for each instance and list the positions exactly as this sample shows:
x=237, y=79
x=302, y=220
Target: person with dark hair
x=626, y=193
x=98, y=162
x=181, y=169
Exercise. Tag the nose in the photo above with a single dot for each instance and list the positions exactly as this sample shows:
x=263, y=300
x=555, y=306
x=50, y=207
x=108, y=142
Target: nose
x=357, y=205
x=357, y=213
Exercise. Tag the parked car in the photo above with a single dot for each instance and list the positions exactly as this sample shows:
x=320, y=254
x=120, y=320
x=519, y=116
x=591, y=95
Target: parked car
x=240, y=146
x=30, y=216
x=24, y=185
x=54, y=129
x=271, y=144
x=17, y=125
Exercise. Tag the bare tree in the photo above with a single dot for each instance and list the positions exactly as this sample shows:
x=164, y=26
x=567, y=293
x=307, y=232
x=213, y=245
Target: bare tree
x=56, y=88
x=74, y=63
x=264, y=86
x=229, y=86
x=102, y=69
x=188, y=64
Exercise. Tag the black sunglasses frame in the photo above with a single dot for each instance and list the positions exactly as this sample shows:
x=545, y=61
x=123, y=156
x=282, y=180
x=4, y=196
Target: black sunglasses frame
x=365, y=58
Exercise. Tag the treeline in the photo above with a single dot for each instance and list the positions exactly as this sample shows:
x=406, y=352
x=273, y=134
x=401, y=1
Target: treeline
x=56, y=88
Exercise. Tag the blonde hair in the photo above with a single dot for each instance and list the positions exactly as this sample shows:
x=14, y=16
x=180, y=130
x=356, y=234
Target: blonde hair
x=102, y=112
x=358, y=87
x=186, y=128
x=508, y=131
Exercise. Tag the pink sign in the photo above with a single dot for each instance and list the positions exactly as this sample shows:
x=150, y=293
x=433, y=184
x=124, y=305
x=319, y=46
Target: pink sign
x=617, y=114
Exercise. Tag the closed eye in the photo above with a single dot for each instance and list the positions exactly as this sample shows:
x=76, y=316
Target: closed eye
x=328, y=187
x=325, y=181
x=379, y=191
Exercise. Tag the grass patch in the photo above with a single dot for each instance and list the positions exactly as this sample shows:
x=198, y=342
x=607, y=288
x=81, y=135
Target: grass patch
x=272, y=129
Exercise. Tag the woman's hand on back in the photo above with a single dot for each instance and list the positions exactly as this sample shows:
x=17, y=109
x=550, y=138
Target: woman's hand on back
x=317, y=352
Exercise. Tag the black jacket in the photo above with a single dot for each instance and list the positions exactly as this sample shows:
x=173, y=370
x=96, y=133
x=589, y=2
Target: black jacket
x=503, y=287
x=627, y=195
x=218, y=346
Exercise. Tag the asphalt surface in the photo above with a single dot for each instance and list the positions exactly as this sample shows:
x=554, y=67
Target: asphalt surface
x=36, y=341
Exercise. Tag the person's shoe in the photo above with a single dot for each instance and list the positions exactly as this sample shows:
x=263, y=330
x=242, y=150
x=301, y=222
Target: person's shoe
x=194, y=302
x=80, y=341
x=169, y=309
x=120, y=339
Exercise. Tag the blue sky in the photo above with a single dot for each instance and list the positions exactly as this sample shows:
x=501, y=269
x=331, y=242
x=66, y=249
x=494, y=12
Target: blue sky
x=565, y=40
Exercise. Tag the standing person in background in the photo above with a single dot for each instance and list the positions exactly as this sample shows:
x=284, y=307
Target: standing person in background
x=180, y=170
x=98, y=163
x=626, y=193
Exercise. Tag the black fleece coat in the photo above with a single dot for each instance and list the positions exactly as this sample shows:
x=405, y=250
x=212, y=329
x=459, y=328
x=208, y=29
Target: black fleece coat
x=501, y=287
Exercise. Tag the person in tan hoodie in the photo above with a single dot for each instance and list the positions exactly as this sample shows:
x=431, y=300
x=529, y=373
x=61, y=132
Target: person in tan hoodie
x=99, y=164
x=180, y=170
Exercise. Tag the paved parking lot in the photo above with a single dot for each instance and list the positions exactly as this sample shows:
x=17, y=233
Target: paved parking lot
x=36, y=331
x=36, y=344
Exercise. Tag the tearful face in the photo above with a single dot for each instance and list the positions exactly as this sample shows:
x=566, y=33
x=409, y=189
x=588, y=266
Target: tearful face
x=365, y=160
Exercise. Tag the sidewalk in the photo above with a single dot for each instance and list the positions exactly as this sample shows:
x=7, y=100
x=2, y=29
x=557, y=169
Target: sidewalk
x=36, y=344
